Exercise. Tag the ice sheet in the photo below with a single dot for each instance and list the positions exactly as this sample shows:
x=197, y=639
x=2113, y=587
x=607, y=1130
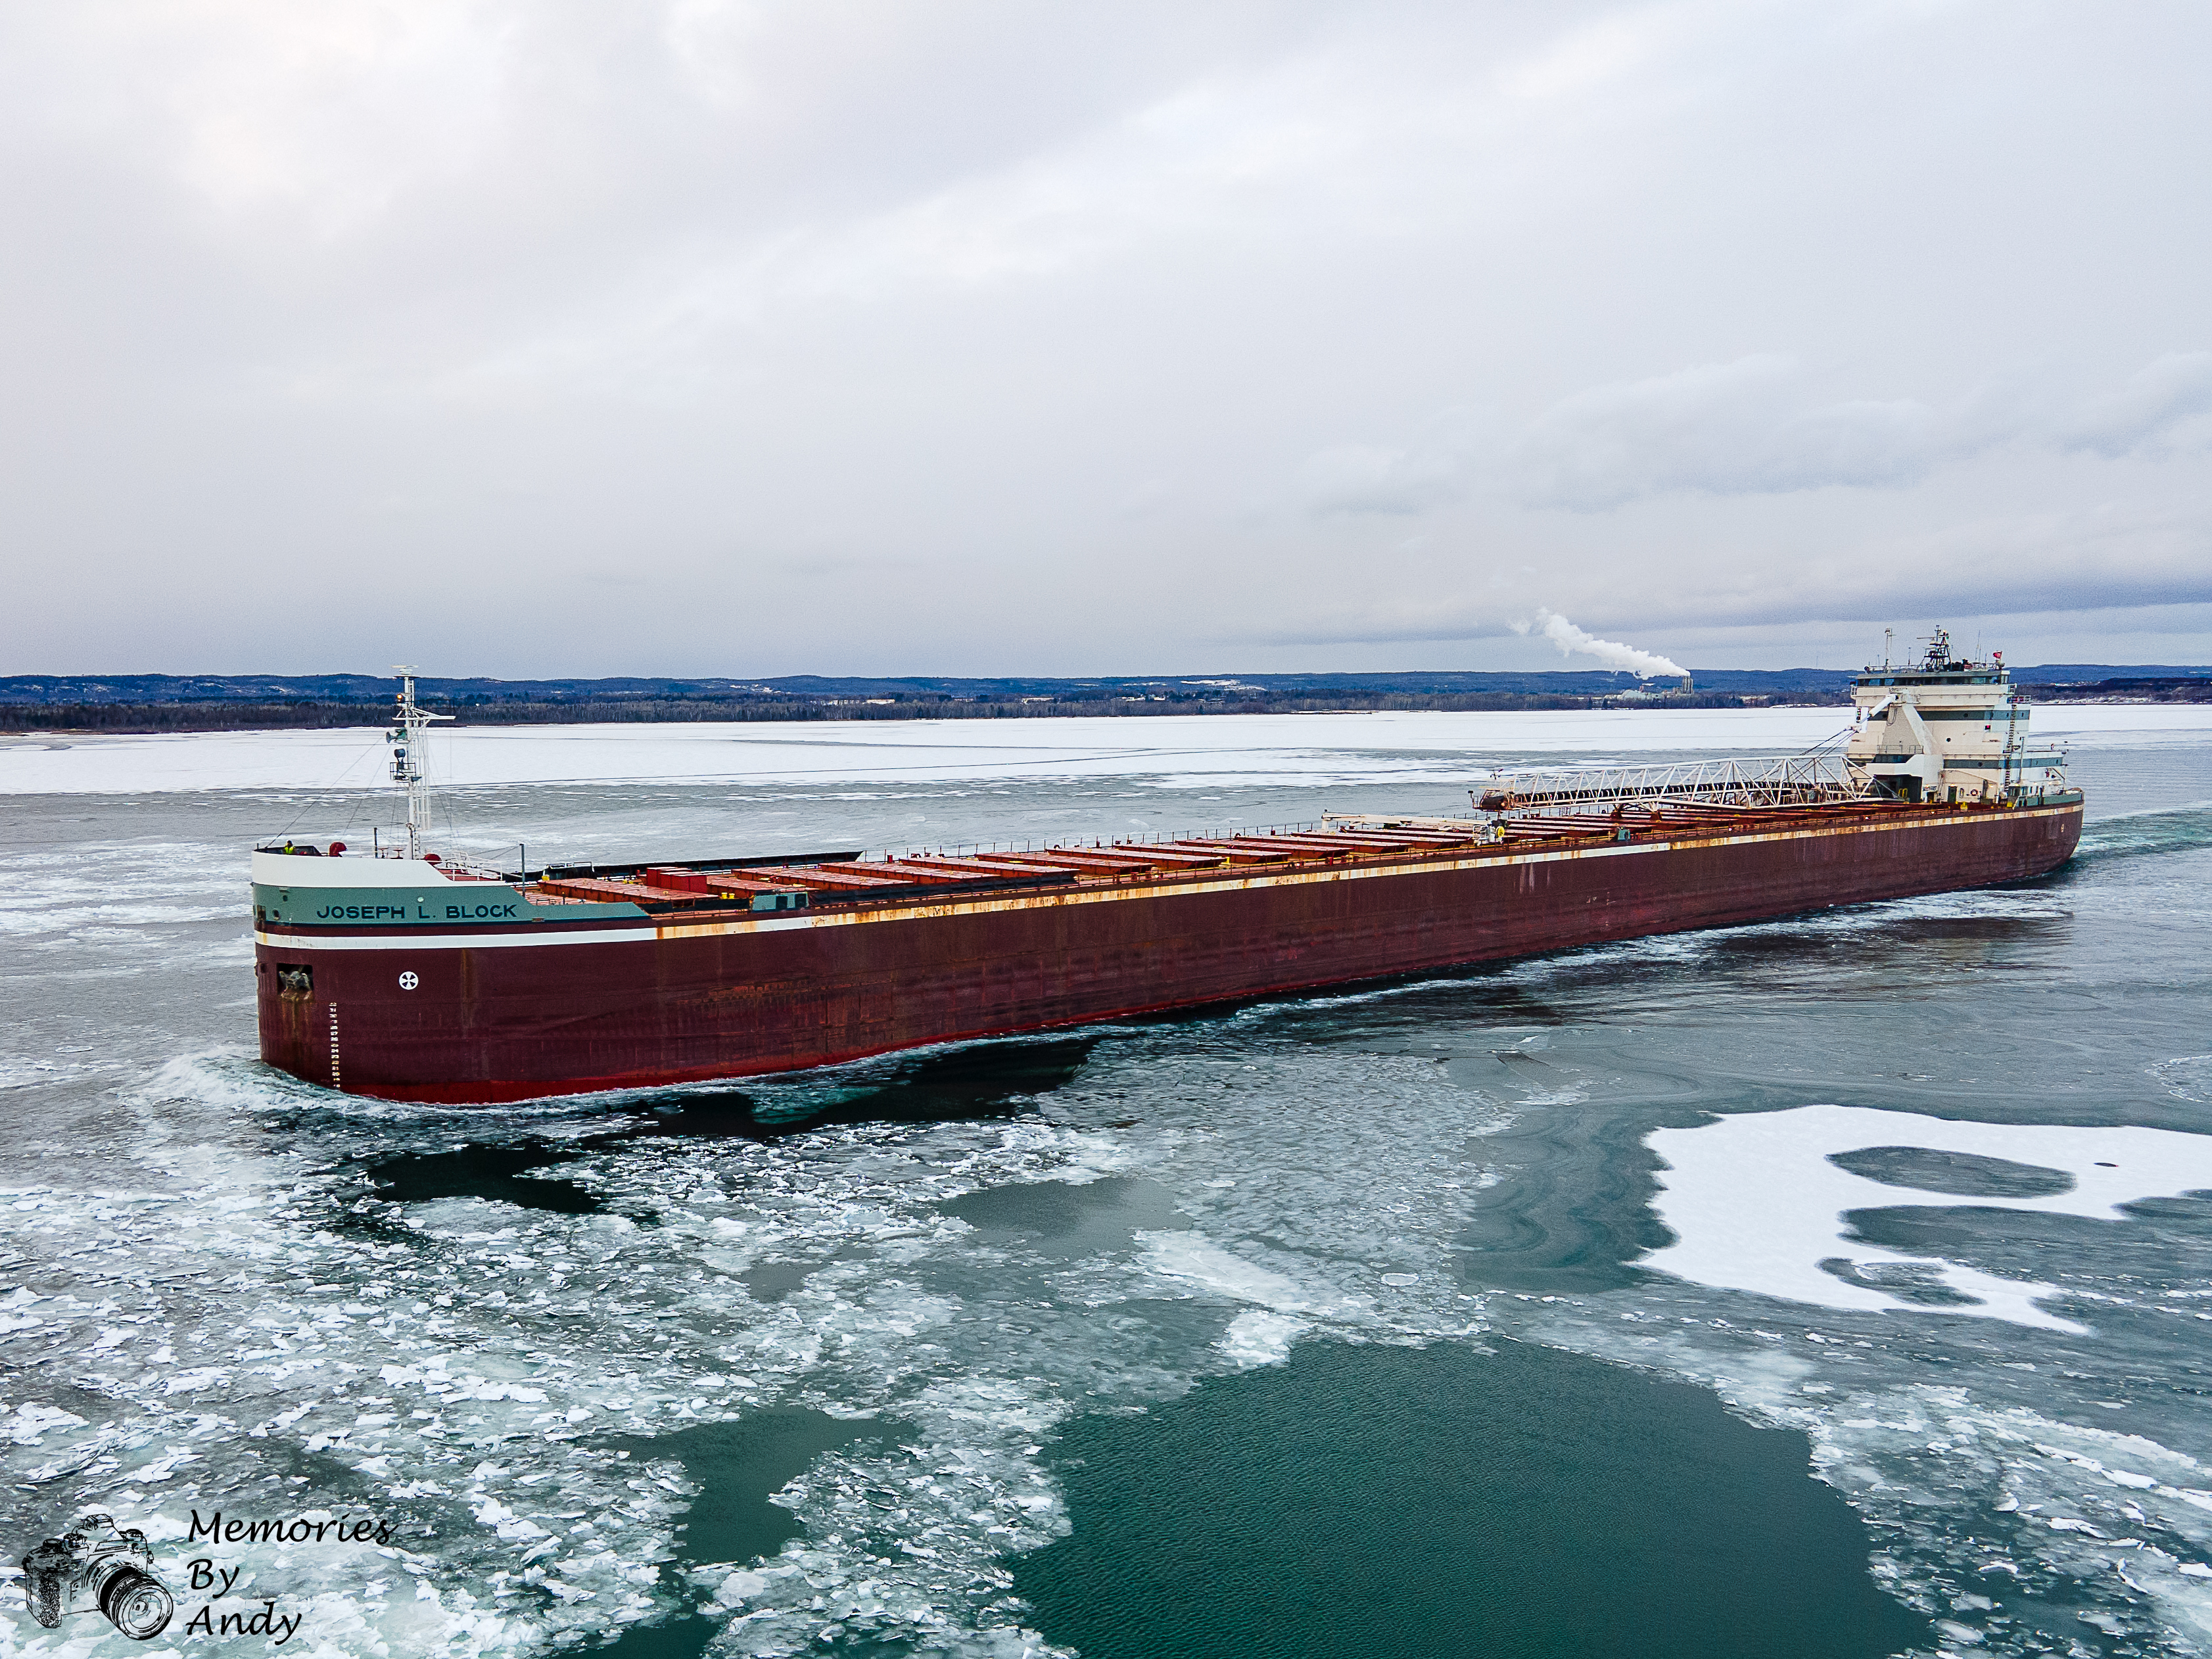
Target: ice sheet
x=1755, y=1205
x=1169, y=745
x=1203, y=748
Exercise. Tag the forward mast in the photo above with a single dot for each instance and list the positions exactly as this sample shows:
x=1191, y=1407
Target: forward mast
x=409, y=721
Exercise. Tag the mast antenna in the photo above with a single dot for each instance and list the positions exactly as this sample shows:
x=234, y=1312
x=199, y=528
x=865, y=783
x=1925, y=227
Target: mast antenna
x=409, y=720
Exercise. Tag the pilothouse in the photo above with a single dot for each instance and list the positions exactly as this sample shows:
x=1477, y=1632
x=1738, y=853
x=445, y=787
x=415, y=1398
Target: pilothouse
x=1947, y=729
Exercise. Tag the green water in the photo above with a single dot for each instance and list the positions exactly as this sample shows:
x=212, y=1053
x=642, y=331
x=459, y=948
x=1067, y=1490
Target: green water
x=1389, y=1501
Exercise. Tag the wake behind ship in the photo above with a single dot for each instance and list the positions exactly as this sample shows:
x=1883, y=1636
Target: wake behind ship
x=404, y=975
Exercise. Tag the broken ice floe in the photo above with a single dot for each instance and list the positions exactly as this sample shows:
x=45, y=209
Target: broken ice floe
x=1756, y=1201
x=1255, y=1338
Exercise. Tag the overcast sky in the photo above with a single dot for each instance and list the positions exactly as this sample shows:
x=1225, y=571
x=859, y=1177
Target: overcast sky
x=725, y=339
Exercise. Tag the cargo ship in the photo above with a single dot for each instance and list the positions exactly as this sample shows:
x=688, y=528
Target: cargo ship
x=401, y=973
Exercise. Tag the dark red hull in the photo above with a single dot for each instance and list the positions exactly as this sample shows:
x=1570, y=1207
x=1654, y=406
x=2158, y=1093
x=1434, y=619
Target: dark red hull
x=493, y=1016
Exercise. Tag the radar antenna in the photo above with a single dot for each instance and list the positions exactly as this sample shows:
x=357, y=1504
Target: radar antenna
x=405, y=737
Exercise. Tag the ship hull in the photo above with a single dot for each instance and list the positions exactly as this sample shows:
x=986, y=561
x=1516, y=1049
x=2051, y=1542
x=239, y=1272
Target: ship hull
x=511, y=1012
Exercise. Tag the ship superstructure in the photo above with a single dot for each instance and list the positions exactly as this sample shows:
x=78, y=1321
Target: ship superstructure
x=1947, y=729
x=414, y=977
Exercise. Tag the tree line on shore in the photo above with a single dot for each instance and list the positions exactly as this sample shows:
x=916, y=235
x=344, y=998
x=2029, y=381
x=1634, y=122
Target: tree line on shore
x=230, y=716
x=154, y=703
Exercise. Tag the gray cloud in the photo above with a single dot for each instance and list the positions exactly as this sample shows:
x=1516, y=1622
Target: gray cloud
x=1371, y=478
x=1422, y=618
x=2163, y=407
x=2077, y=564
x=2108, y=557
x=1736, y=428
x=1756, y=426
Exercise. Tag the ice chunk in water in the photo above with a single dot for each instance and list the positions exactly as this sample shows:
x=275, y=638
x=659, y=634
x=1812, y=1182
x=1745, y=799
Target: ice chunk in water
x=1262, y=1339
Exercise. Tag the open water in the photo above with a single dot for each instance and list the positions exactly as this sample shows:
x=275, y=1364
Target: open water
x=1839, y=1285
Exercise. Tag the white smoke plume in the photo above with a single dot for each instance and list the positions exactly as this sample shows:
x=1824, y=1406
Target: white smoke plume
x=1571, y=639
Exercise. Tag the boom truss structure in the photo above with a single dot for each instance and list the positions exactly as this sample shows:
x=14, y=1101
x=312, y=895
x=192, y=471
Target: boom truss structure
x=1812, y=779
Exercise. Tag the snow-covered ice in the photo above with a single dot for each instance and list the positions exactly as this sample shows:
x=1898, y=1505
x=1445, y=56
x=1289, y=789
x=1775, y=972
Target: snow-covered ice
x=1192, y=750
x=1755, y=1203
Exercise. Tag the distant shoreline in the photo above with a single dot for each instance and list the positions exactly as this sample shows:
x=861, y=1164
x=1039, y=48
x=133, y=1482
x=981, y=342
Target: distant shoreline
x=121, y=719
x=94, y=719
x=156, y=703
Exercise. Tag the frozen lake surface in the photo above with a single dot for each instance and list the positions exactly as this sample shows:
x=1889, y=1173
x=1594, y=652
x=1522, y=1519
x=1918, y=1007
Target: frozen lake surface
x=1173, y=750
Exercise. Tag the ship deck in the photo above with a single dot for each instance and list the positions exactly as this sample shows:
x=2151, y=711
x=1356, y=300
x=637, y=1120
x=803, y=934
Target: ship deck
x=849, y=879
